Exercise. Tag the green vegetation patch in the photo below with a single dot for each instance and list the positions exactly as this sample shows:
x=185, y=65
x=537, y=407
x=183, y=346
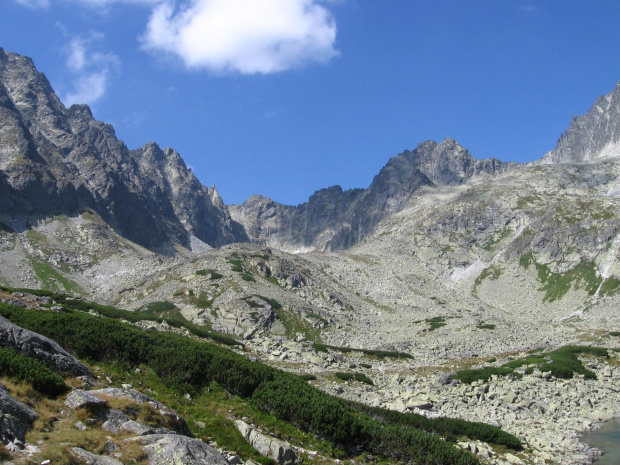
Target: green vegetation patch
x=51, y=279
x=435, y=322
x=485, y=326
x=237, y=265
x=211, y=273
x=308, y=377
x=584, y=275
x=318, y=317
x=31, y=370
x=157, y=307
x=362, y=378
x=115, y=313
x=496, y=239
x=370, y=352
x=562, y=363
x=492, y=272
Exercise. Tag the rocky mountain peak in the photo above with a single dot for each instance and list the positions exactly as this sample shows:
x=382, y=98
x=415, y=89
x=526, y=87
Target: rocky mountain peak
x=448, y=163
x=62, y=161
x=593, y=136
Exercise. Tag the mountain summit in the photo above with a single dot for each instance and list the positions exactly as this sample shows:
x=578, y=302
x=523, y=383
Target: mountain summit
x=334, y=219
x=592, y=136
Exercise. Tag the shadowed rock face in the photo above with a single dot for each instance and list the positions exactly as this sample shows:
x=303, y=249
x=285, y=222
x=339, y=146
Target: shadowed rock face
x=40, y=347
x=15, y=419
x=55, y=160
x=334, y=219
x=591, y=136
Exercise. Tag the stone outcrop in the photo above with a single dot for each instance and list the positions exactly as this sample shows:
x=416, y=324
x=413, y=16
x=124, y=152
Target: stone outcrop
x=268, y=446
x=176, y=421
x=15, y=418
x=93, y=459
x=40, y=347
x=179, y=450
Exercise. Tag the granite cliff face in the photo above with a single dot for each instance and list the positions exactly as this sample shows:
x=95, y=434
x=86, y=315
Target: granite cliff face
x=61, y=161
x=334, y=219
x=592, y=136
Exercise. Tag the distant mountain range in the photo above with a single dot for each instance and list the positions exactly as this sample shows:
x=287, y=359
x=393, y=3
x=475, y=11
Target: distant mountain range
x=58, y=160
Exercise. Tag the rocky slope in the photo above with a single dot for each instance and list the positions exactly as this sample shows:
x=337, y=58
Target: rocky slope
x=333, y=219
x=61, y=161
x=592, y=136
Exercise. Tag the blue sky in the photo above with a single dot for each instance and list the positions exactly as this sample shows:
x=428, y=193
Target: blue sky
x=284, y=97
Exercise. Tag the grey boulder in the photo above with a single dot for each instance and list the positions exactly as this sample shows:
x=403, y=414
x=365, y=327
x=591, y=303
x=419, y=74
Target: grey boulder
x=168, y=449
x=273, y=448
x=37, y=346
x=15, y=418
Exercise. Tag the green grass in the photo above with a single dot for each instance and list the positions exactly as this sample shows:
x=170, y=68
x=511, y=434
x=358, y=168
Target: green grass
x=237, y=265
x=158, y=307
x=318, y=317
x=583, y=276
x=484, y=374
x=52, y=279
x=490, y=246
x=492, y=272
x=435, y=322
x=211, y=273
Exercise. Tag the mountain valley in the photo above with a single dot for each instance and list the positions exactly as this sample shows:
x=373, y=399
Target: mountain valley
x=444, y=264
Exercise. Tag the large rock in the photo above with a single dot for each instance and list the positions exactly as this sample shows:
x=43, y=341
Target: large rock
x=273, y=448
x=176, y=421
x=92, y=459
x=81, y=399
x=40, y=347
x=166, y=449
x=15, y=418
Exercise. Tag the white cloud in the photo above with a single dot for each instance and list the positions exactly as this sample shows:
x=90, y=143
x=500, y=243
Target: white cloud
x=92, y=69
x=246, y=36
x=88, y=88
x=34, y=4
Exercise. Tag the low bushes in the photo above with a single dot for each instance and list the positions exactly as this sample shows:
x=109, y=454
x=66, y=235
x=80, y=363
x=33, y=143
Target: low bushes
x=562, y=363
x=371, y=352
x=362, y=378
x=189, y=366
x=31, y=370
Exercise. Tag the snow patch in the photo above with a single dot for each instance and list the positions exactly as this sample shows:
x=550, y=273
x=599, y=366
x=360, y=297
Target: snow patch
x=197, y=246
x=468, y=271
